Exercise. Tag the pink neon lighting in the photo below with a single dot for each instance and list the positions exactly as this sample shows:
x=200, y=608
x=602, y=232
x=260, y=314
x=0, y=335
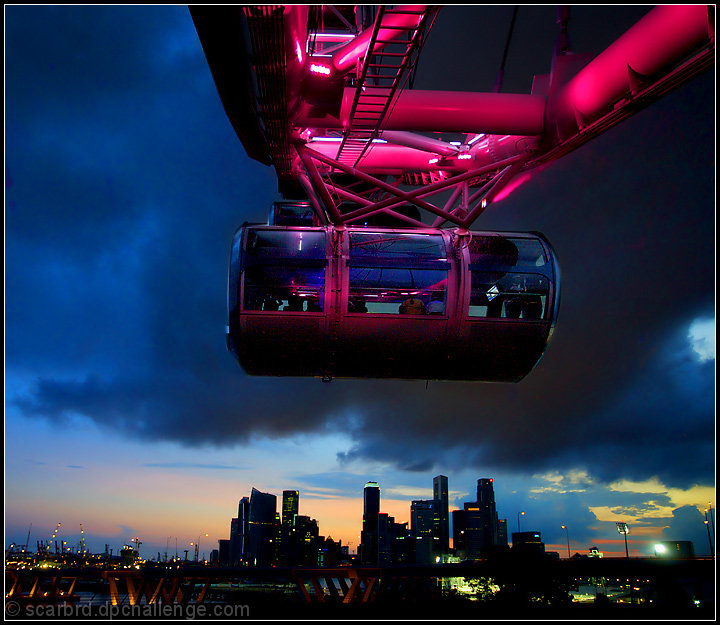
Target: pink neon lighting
x=664, y=34
x=322, y=70
x=345, y=58
x=514, y=184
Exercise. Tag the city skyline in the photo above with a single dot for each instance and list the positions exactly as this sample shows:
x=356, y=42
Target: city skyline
x=124, y=411
x=642, y=539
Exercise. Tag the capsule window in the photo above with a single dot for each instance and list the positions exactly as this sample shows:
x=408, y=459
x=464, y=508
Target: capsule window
x=276, y=288
x=394, y=291
x=397, y=273
x=284, y=270
x=508, y=295
x=508, y=251
x=285, y=244
x=395, y=246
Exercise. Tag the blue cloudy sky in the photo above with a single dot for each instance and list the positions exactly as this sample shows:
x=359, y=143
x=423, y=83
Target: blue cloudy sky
x=124, y=182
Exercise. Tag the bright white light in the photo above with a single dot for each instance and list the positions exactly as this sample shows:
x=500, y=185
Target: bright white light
x=464, y=156
x=319, y=69
x=701, y=335
x=659, y=548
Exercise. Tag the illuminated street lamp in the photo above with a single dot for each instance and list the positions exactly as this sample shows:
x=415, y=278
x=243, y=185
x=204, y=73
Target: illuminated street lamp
x=622, y=528
x=197, y=546
x=712, y=522
x=519, y=515
x=568, y=539
x=710, y=542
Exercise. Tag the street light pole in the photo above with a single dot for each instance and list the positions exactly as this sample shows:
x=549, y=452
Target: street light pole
x=568, y=539
x=710, y=542
x=622, y=528
x=519, y=515
x=712, y=522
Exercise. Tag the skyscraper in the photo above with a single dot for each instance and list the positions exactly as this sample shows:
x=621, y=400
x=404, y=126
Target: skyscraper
x=238, y=554
x=425, y=529
x=459, y=537
x=488, y=512
x=288, y=534
x=502, y=533
x=476, y=529
x=440, y=494
x=290, y=506
x=261, y=528
x=369, y=543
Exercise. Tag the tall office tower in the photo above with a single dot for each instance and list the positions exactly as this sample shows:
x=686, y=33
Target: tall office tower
x=440, y=493
x=290, y=506
x=369, y=543
x=223, y=552
x=239, y=534
x=401, y=551
x=261, y=528
x=502, y=533
x=384, y=546
x=244, y=525
x=425, y=529
x=488, y=512
x=307, y=534
x=459, y=538
x=474, y=536
x=234, y=552
x=288, y=535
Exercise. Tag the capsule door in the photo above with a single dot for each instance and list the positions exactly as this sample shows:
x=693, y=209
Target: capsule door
x=396, y=302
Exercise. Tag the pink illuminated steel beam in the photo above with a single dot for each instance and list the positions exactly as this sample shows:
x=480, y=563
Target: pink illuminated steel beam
x=346, y=58
x=306, y=153
x=436, y=187
x=447, y=111
x=419, y=142
x=314, y=200
x=497, y=185
x=399, y=197
x=460, y=111
x=665, y=36
x=353, y=197
x=461, y=210
x=393, y=159
x=319, y=186
x=385, y=158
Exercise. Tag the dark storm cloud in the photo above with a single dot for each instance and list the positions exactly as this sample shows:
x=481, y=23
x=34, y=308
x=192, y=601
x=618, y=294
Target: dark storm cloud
x=687, y=523
x=126, y=183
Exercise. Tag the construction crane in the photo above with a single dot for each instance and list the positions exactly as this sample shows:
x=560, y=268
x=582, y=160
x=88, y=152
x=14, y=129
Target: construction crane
x=52, y=539
x=27, y=540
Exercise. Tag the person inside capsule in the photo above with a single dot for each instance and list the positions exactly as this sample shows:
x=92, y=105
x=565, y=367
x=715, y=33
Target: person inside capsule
x=412, y=306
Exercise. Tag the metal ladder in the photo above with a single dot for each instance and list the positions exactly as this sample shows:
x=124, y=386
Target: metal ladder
x=382, y=74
